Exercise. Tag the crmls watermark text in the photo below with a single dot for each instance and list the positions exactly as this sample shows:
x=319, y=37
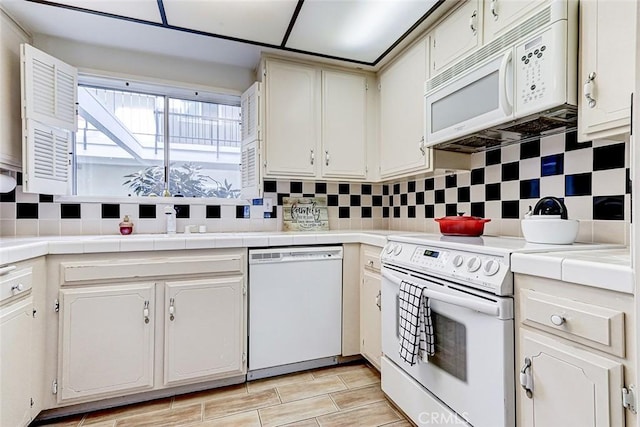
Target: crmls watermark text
x=441, y=418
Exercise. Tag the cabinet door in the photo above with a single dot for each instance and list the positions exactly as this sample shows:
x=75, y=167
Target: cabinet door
x=370, y=315
x=292, y=119
x=344, y=125
x=456, y=36
x=16, y=327
x=204, y=329
x=106, y=340
x=502, y=15
x=570, y=386
x=402, y=114
x=607, y=43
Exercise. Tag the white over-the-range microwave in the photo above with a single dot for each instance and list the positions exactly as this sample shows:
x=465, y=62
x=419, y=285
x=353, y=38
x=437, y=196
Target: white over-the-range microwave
x=522, y=84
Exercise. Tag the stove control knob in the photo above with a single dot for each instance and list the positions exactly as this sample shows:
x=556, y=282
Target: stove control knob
x=397, y=250
x=491, y=267
x=473, y=264
x=389, y=248
x=457, y=261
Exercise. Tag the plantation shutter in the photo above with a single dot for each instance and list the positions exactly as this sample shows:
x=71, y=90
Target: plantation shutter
x=49, y=116
x=250, y=147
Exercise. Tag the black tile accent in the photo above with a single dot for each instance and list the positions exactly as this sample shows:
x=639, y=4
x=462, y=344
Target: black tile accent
x=308, y=195
x=429, y=211
x=411, y=187
x=608, y=157
x=70, y=211
x=213, y=211
x=355, y=200
x=366, y=189
x=552, y=165
x=182, y=211
x=628, y=181
x=492, y=191
x=390, y=200
x=344, y=212
x=608, y=208
x=511, y=171
x=45, y=198
x=429, y=184
x=451, y=181
x=147, y=211
x=270, y=186
x=464, y=194
x=411, y=212
x=274, y=212
x=530, y=189
x=344, y=189
x=396, y=212
x=530, y=149
x=439, y=196
x=281, y=196
x=19, y=178
x=110, y=210
x=385, y=190
x=9, y=197
x=365, y=212
x=295, y=187
x=493, y=157
x=404, y=200
x=27, y=211
x=571, y=142
x=451, y=209
x=321, y=188
x=377, y=200
x=385, y=212
x=420, y=198
x=241, y=212
x=477, y=209
x=332, y=200
x=578, y=184
x=396, y=188
x=510, y=209
x=477, y=176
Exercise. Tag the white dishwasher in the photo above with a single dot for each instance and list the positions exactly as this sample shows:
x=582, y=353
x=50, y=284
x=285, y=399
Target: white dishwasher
x=295, y=309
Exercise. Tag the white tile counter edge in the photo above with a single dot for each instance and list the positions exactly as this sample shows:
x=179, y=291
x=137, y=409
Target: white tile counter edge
x=19, y=249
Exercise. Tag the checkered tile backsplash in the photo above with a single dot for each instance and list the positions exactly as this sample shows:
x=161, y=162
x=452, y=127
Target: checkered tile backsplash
x=592, y=178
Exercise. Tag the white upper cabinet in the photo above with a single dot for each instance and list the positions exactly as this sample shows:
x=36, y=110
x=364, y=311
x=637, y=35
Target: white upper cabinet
x=607, y=67
x=402, y=114
x=502, y=15
x=456, y=36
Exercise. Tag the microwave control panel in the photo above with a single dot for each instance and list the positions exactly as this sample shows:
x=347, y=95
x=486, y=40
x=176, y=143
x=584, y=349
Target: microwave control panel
x=541, y=70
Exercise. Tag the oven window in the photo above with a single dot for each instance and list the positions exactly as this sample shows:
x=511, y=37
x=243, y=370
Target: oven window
x=451, y=346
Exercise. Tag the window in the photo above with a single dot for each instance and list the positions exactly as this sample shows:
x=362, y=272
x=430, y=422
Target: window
x=122, y=148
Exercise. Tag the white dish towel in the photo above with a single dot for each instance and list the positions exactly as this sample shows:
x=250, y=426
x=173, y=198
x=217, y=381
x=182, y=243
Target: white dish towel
x=416, y=328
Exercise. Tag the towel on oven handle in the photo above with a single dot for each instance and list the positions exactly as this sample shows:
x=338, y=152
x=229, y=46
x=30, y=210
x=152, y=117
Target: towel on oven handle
x=416, y=328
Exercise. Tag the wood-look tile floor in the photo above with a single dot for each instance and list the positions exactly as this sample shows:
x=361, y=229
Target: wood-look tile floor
x=347, y=395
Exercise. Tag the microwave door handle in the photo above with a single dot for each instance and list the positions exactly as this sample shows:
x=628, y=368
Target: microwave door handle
x=507, y=104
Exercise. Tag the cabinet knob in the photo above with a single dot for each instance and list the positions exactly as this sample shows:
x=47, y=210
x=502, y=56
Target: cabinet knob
x=587, y=90
x=326, y=157
x=172, y=309
x=15, y=289
x=473, y=21
x=494, y=9
x=312, y=157
x=421, y=146
x=145, y=312
x=558, y=320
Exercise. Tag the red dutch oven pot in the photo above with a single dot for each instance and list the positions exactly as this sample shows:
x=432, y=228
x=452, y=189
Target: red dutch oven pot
x=462, y=225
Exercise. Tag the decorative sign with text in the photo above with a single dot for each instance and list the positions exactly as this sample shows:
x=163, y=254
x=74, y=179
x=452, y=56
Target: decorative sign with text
x=305, y=214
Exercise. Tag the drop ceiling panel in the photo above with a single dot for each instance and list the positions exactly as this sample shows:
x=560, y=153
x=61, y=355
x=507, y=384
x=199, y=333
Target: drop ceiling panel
x=358, y=29
x=145, y=10
x=262, y=21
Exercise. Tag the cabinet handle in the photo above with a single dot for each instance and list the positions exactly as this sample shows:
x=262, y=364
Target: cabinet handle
x=557, y=320
x=145, y=312
x=473, y=21
x=172, y=310
x=587, y=90
x=326, y=157
x=422, y=147
x=312, y=158
x=7, y=269
x=378, y=302
x=526, y=380
x=494, y=9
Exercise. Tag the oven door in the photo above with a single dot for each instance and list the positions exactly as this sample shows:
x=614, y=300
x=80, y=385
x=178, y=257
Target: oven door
x=472, y=370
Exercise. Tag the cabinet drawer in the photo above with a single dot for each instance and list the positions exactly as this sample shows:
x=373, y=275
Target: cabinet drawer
x=597, y=327
x=371, y=260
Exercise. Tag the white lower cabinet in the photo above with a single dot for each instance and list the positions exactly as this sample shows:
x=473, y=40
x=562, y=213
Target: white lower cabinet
x=204, y=328
x=370, y=308
x=106, y=339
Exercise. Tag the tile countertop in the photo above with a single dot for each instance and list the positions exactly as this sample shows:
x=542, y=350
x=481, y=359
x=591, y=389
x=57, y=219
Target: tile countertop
x=14, y=249
x=605, y=268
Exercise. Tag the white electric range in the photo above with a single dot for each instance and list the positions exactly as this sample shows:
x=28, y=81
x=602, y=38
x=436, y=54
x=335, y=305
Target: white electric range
x=469, y=283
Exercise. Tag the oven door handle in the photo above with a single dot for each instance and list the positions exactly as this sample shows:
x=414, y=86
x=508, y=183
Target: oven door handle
x=473, y=304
